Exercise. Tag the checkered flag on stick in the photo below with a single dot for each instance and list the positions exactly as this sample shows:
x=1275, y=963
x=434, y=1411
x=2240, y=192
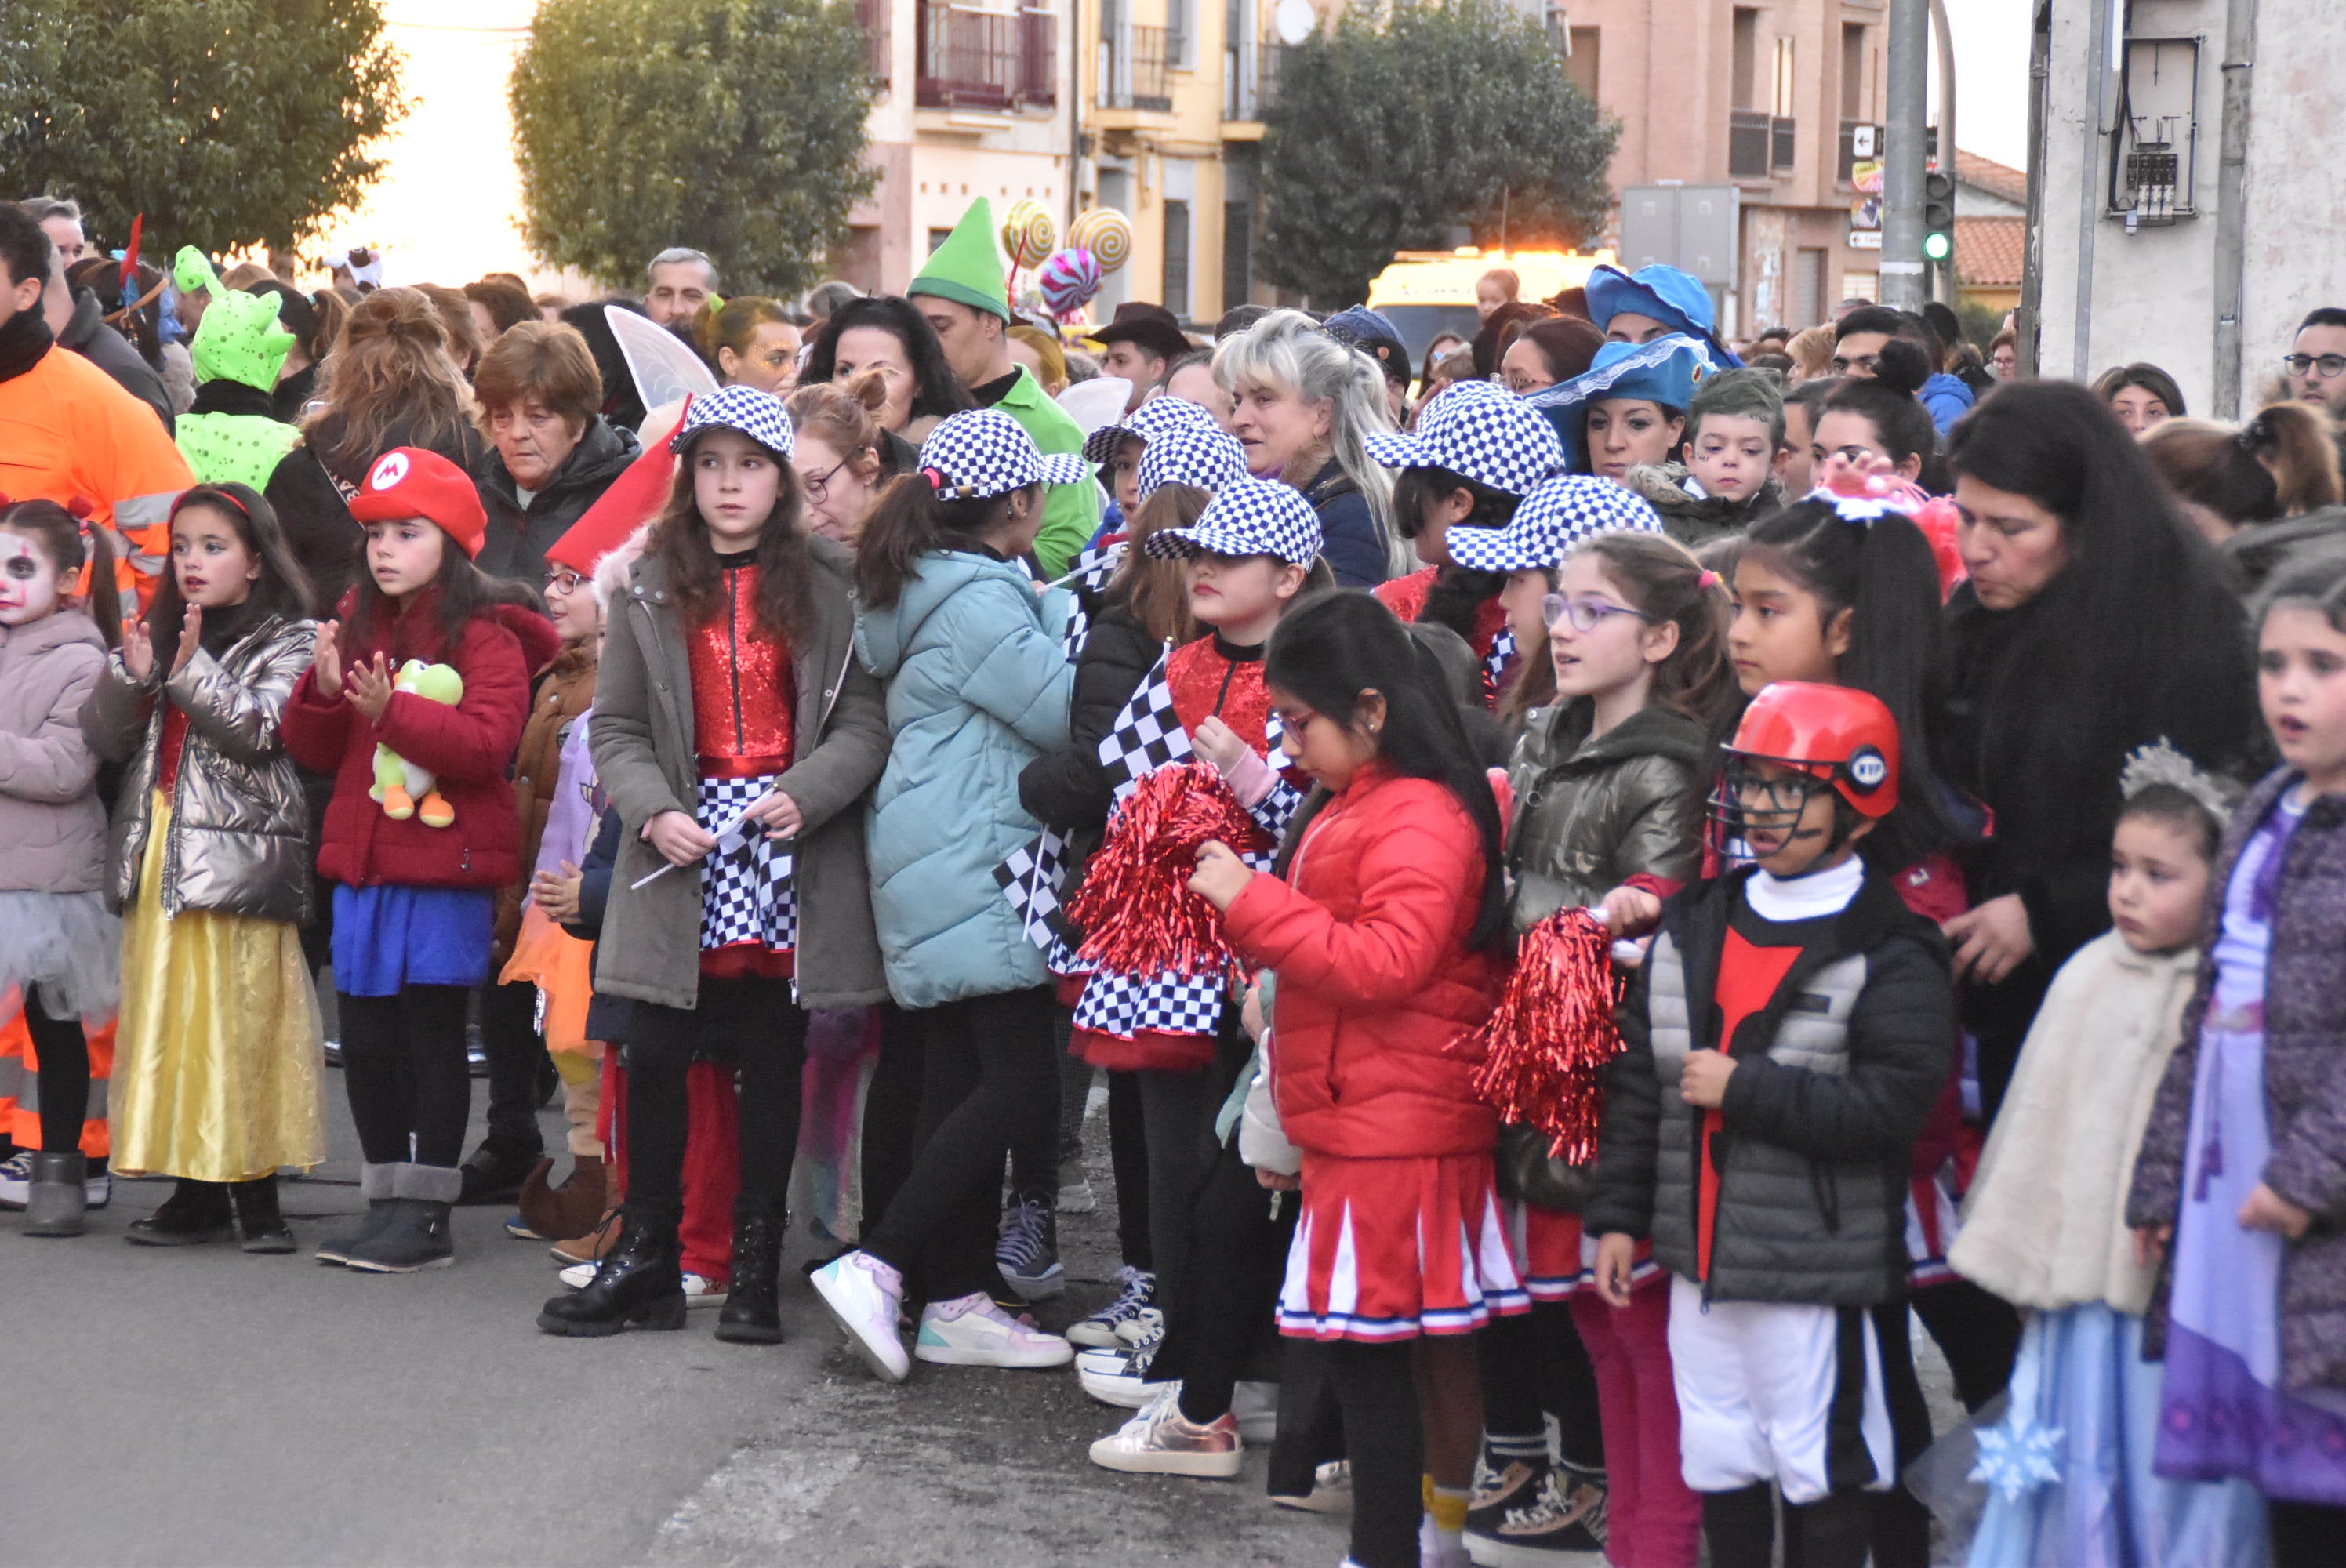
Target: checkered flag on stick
x=1031, y=878
x=1094, y=566
x=1495, y=663
x=1146, y=734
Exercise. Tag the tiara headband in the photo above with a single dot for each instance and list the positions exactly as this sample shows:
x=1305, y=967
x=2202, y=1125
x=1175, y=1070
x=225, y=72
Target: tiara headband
x=2160, y=762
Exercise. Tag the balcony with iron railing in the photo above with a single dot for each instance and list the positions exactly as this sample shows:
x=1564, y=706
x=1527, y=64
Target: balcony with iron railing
x=1250, y=80
x=1760, y=145
x=1136, y=69
x=978, y=59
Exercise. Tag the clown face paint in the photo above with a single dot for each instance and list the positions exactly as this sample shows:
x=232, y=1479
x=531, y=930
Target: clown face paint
x=28, y=581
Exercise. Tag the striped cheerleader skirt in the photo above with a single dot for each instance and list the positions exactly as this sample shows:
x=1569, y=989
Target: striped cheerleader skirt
x=1389, y=1249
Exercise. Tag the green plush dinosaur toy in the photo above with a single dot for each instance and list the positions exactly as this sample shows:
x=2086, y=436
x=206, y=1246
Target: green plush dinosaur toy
x=403, y=788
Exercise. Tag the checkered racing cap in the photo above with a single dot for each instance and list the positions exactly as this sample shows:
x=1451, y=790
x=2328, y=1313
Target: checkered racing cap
x=757, y=414
x=985, y=452
x=1248, y=516
x=1479, y=430
x=1559, y=513
x=1151, y=419
x=1204, y=456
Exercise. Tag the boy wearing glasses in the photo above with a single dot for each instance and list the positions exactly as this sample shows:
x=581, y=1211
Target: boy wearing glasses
x=1785, y=1039
x=2315, y=366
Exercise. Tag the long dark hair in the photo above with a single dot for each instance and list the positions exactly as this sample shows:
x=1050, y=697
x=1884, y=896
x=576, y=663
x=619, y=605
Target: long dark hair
x=679, y=540
x=457, y=592
x=939, y=391
x=909, y=521
x=283, y=588
x=1333, y=647
x=1459, y=592
x=67, y=546
x=1884, y=575
x=2102, y=658
x=1886, y=401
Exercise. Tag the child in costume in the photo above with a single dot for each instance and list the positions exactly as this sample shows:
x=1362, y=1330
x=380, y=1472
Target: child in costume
x=1785, y=1037
x=2239, y=1179
x=217, y=1058
x=60, y=949
x=2069, y=1469
x=232, y=435
x=415, y=903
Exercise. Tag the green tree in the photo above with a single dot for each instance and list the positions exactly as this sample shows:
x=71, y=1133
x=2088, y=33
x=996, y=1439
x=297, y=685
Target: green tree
x=229, y=123
x=732, y=125
x=1393, y=126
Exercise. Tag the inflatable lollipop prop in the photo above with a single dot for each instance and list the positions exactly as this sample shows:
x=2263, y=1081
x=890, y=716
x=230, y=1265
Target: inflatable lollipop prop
x=1106, y=233
x=1028, y=233
x=1068, y=281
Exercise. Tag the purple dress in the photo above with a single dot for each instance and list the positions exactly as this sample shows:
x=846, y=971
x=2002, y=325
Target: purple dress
x=2222, y=1410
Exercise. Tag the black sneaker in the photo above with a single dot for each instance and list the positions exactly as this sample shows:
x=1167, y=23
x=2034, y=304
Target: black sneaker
x=1502, y=1485
x=1565, y=1519
x=1028, y=1252
x=494, y=1174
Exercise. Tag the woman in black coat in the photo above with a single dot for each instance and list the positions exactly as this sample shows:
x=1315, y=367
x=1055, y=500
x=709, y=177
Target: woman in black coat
x=2095, y=620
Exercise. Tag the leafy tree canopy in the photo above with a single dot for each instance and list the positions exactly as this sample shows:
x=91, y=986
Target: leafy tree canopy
x=735, y=126
x=229, y=123
x=1393, y=126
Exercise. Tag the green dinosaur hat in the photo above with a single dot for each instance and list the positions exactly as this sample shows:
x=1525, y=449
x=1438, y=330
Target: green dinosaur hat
x=240, y=339
x=967, y=268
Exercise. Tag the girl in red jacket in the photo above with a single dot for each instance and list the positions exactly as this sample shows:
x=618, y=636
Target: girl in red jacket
x=415, y=876
x=1383, y=928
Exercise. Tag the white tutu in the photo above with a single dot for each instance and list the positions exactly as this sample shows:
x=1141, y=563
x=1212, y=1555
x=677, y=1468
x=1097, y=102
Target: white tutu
x=66, y=943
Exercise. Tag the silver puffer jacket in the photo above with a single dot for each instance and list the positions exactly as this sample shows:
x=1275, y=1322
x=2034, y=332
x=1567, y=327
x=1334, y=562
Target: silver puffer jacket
x=239, y=834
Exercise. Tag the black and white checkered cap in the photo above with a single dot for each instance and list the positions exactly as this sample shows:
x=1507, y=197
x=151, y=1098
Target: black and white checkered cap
x=759, y=415
x=1557, y=514
x=1204, y=456
x=983, y=452
x=1481, y=430
x=1151, y=419
x=1248, y=516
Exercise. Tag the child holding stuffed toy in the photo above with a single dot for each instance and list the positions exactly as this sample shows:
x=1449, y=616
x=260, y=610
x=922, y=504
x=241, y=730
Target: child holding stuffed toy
x=217, y=1060
x=1386, y=928
x=420, y=833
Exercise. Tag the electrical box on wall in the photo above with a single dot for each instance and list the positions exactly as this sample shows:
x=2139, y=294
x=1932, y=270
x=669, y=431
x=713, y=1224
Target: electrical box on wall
x=2154, y=147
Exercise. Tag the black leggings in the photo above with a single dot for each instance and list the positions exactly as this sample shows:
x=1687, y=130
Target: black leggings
x=1534, y=1362
x=1177, y=1113
x=754, y=1025
x=991, y=1076
x=404, y=1065
x=1739, y=1528
x=1127, y=1153
x=516, y=1053
x=1230, y=1300
x=1385, y=1436
x=63, y=1078
x=891, y=1113
x=1978, y=1333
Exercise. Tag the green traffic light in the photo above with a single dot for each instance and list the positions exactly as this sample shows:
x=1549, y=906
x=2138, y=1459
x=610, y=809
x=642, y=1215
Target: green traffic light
x=1938, y=245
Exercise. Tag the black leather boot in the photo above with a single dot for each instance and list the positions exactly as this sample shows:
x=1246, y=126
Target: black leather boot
x=258, y=1218
x=752, y=1311
x=639, y=1282
x=195, y=1214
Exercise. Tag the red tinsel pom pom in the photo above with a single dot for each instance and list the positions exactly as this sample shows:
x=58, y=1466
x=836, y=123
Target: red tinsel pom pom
x=1546, y=1046
x=1135, y=905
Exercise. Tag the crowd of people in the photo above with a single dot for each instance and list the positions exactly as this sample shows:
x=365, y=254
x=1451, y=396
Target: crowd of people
x=1606, y=874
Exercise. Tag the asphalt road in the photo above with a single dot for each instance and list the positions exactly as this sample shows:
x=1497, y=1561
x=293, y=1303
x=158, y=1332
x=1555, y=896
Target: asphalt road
x=199, y=1407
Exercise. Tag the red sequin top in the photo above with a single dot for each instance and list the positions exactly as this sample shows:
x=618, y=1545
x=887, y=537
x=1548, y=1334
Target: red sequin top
x=744, y=697
x=1210, y=677
x=1406, y=596
x=174, y=747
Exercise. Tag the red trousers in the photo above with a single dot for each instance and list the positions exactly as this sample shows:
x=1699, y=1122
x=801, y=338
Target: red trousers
x=712, y=1160
x=1653, y=1519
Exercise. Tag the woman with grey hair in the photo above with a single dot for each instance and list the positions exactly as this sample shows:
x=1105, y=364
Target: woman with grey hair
x=1305, y=405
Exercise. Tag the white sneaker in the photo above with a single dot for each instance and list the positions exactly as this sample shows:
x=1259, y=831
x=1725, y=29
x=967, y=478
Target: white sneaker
x=972, y=1331
x=1256, y=1405
x=1332, y=1490
x=700, y=1290
x=1161, y=1441
x=862, y=1295
x=1120, y=1376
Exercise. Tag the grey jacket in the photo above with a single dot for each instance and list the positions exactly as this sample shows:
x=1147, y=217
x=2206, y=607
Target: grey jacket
x=239, y=837
x=1591, y=814
x=644, y=759
x=51, y=829
x=1833, y=1079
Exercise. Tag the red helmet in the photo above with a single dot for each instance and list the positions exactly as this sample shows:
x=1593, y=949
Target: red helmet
x=1834, y=733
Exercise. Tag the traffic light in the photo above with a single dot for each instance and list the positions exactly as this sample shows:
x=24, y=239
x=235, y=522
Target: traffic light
x=1938, y=215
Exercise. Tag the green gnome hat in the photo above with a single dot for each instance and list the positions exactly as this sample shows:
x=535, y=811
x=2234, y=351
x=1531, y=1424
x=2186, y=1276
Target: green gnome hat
x=967, y=268
x=240, y=339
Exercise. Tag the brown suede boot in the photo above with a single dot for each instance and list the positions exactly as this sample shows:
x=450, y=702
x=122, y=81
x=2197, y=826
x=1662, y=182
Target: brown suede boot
x=596, y=1236
x=571, y=1209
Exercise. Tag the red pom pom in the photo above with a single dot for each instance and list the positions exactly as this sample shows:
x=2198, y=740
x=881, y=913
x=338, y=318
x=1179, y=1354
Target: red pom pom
x=1545, y=1047
x=1134, y=906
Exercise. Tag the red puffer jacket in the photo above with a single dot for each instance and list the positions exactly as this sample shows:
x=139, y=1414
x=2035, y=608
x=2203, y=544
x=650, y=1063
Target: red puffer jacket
x=470, y=746
x=1376, y=985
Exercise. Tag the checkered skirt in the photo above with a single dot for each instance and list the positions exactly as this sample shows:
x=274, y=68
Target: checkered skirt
x=746, y=893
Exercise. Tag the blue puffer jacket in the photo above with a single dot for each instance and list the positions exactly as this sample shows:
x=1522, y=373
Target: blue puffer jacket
x=978, y=683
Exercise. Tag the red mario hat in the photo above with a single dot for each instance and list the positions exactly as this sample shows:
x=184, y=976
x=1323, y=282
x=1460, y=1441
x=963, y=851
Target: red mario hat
x=410, y=481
